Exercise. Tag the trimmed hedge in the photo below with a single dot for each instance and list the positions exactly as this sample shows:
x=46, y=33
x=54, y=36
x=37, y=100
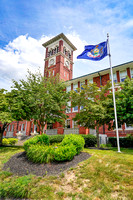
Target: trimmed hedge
x=76, y=140
x=64, y=153
x=126, y=142
x=90, y=140
x=9, y=141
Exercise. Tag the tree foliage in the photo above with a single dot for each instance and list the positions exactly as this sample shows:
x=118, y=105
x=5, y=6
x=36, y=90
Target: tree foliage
x=39, y=98
x=124, y=102
x=6, y=116
x=96, y=103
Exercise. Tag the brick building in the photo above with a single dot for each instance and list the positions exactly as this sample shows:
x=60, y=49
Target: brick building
x=59, y=59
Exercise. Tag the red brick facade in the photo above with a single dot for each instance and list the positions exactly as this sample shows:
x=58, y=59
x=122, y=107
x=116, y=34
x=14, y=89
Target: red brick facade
x=60, y=57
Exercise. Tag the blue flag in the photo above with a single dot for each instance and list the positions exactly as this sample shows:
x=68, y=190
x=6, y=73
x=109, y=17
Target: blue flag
x=94, y=52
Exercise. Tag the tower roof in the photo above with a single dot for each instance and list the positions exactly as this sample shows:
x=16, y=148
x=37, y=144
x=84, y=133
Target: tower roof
x=60, y=36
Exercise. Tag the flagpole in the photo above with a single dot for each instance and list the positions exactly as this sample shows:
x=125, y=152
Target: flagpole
x=116, y=123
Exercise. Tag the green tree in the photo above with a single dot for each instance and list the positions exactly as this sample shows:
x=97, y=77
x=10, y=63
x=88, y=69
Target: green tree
x=124, y=102
x=96, y=103
x=6, y=116
x=39, y=98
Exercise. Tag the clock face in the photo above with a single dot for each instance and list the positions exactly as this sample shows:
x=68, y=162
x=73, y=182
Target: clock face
x=51, y=61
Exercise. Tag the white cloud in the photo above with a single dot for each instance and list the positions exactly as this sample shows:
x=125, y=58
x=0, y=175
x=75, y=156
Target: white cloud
x=21, y=54
x=25, y=52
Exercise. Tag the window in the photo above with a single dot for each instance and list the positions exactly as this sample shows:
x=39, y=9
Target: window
x=90, y=80
x=129, y=126
x=68, y=88
x=123, y=75
x=74, y=124
x=68, y=110
x=81, y=84
x=131, y=73
x=53, y=72
x=75, y=86
x=49, y=126
x=22, y=127
x=75, y=109
x=67, y=123
x=9, y=127
x=64, y=74
x=35, y=128
x=12, y=128
x=81, y=107
x=67, y=76
x=114, y=77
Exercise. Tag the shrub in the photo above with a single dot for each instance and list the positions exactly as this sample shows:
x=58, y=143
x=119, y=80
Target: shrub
x=40, y=153
x=9, y=141
x=64, y=153
x=90, y=140
x=43, y=139
x=39, y=139
x=126, y=142
x=76, y=140
x=29, y=142
x=55, y=138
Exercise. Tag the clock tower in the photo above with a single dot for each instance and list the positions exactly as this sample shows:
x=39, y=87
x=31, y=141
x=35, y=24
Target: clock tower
x=59, y=57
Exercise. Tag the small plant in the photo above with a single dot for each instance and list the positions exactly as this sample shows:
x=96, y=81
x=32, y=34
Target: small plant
x=9, y=141
x=76, y=140
x=64, y=153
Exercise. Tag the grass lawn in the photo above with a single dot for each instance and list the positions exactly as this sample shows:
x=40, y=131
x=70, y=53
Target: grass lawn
x=106, y=175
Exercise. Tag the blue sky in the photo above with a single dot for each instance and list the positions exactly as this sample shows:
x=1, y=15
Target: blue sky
x=25, y=25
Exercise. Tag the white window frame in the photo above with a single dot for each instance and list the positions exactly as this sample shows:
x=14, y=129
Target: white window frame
x=75, y=86
x=123, y=75
x=82, y=83
x=69, y=109
x=74, y=123
x=68, y=88
x=114, y=77
x=75, y=110
x=90, y=80
x=66, y=123
x=131, y=72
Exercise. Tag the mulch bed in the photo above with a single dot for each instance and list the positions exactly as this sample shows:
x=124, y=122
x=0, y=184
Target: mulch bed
x=20, y=165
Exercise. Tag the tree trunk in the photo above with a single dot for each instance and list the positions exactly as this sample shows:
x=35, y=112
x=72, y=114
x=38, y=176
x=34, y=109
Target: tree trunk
x=2, y=129
x=97, y=132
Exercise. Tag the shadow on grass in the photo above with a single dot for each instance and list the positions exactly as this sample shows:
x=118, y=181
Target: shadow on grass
x=124, y=150
x=4, y=149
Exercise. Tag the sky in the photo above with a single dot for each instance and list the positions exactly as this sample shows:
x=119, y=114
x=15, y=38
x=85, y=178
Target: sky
x=26, y=25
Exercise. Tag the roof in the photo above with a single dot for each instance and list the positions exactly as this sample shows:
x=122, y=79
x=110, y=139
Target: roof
x=128, y=64
x=60, y=36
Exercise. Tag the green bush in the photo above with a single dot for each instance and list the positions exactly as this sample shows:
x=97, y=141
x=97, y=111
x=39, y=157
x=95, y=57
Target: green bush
x=90, y=140
x=9, y=141
x=40, y=153
x=55, y=138
x=39, y=139
x=76, y=140
x=126, y=142
x=64, y=153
